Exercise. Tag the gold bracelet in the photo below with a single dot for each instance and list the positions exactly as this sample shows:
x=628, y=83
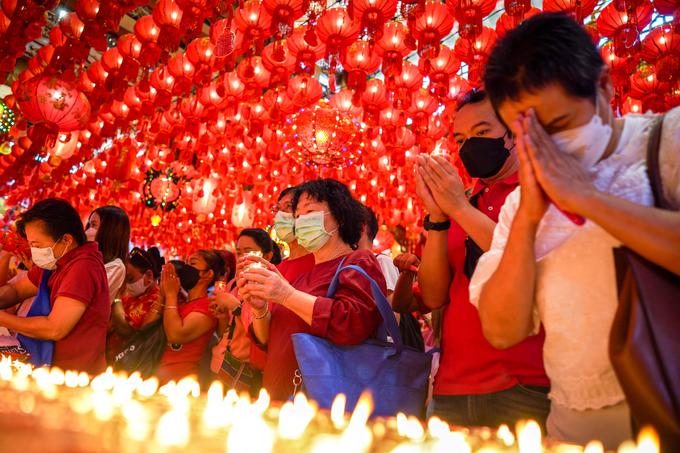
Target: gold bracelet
x=266, y=312
x=171, y=306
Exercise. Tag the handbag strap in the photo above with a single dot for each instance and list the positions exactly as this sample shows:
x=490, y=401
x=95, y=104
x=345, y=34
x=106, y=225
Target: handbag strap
x=653, y=164
x=389, y=320
x=232, y=326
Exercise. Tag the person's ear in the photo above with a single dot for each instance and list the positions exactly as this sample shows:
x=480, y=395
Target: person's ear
x=148, y=277
x=605, y=84
x=268, y=256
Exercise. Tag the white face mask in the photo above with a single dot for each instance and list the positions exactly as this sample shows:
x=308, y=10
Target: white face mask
x=586, y=143
x=44, y=258
x=90, y=233
x=136, y=289
x=284, y=224
x=310, y=231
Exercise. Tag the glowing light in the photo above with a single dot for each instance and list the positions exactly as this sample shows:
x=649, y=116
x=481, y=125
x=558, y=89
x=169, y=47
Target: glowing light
x=529, y=437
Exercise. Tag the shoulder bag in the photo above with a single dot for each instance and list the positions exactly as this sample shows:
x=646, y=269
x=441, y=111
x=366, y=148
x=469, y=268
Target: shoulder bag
x=395, y=375
x=644, y=344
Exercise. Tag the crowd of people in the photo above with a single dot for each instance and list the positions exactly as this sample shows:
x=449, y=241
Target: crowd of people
x=515, y=286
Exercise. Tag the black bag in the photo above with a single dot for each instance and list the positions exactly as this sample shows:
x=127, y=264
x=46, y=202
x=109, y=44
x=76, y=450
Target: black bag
x=235, y=373
x=144, y=350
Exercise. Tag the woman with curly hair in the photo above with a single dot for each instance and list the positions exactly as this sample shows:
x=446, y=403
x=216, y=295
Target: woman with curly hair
x=328, y=224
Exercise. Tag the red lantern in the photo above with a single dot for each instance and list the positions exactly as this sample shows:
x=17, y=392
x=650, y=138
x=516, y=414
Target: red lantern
x=440, y=69
x=372, y=15
x=130, y=49
x=374, y=100
x=304, y=90
x=457, y=87
x=517, y=8
x=469, y=14
x=624, y=28
x=168, y=16
x=359, y=61
x=53, y=106
x=422, y=107
x=254, y=22
x=661, y=47
x=578, y=9
x=392, y=48
x=223, y=38
x=254, y=75
x=476, y=52
x=231, y=89
x=201, y=54
x=305, y=54
x=278, y=103
x=284, y=13
x=650, y=90
x=278, y=59
x=163, y=82
x=405, y=84
x=336, y=28
x=507, y=21
x=431, y=26
x=181, y=68
x=342, y=102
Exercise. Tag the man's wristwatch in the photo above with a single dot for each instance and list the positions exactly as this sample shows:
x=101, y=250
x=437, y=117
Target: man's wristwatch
x=436, y=226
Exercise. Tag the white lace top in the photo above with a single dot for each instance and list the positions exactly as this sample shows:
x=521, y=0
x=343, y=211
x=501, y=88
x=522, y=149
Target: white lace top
x=576, y=294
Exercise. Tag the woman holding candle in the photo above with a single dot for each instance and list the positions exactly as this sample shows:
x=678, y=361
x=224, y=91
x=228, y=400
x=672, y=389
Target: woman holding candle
x=189, y=325
x=328, y=224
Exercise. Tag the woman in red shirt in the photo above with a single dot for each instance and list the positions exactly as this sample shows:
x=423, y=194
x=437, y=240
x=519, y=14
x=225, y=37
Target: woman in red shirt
x=141, y=302
x=328, y=224
x=189, y=325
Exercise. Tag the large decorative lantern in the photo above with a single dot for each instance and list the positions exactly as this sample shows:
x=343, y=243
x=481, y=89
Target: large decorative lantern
x=320, y=136
x=162, y=189
x=54, y=106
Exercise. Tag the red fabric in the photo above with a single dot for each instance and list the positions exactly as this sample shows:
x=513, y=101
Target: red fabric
x=80, y=275
x=136, y=309
x=469, y=364
x=292, y=269
x=178, y=363
x=350, y=317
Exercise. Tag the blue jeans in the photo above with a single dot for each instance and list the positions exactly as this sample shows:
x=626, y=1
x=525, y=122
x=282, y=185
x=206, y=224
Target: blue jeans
x=520, y=402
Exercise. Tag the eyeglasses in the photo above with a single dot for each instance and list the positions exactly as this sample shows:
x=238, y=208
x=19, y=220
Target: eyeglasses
x=286, y=207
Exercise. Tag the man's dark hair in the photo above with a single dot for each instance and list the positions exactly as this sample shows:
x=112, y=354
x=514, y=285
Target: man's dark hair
x=546, y=48
x=58, y=217
x=473, y=96
x=147, y=260
x=371, y=222
x=286, y=191
x=264, y=241
x=347, y=211
x=113, y=234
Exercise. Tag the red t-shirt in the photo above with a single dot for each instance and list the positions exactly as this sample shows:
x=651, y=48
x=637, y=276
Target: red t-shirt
x=183, y=360
x=351, y=317
x=469, y=364
x=80, y=275
x=292, y=269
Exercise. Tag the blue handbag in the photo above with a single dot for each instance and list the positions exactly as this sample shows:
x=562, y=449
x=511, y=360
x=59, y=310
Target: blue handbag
x=41, y=350
x=397, y=376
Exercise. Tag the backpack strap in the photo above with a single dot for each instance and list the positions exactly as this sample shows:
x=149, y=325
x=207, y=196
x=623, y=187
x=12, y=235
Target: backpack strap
x=653, y=164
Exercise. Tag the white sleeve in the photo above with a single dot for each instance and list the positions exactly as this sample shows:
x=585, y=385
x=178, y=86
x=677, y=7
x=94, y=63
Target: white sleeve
x=389, y=270
x=488, y=263
x=115, y=273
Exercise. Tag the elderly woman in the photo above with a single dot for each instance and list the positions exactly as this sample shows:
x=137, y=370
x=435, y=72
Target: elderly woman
x=328, y=224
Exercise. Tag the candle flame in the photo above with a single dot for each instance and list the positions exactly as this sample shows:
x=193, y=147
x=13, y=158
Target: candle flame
x=338, y=411
x=529, y=437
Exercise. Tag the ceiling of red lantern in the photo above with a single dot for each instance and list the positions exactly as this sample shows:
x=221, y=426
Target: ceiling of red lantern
x=194, y=114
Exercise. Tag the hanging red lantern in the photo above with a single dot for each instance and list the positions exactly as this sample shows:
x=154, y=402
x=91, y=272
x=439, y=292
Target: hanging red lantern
x=439, y=70
x=231, y=89
x=147, y=32
x=342, y=102
x=405, y=84
x=336, y=28
x=223, y=37
x=647, y=87
x=304, y=90
x=201, y=53
x=469, y=14
x=278, y=59
x=254, y=75
x=457, y=86
x=507, y=21
x=476, y=52
x=578, y=9
x=372, y=15
x=278, y=103
x=284, y=13
x=93, y=33
x=181, y=68
x=517, y=8
x=661, y=48
x=422, y=107
x=359, y=61
x=374, y=100
x=624, y=28
x=163, y=82
x=168, y=16
x=305, y=54
x=130, y=49
x=392, y=48
x=431, y=26
x=254, y=22
x=53, y=106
